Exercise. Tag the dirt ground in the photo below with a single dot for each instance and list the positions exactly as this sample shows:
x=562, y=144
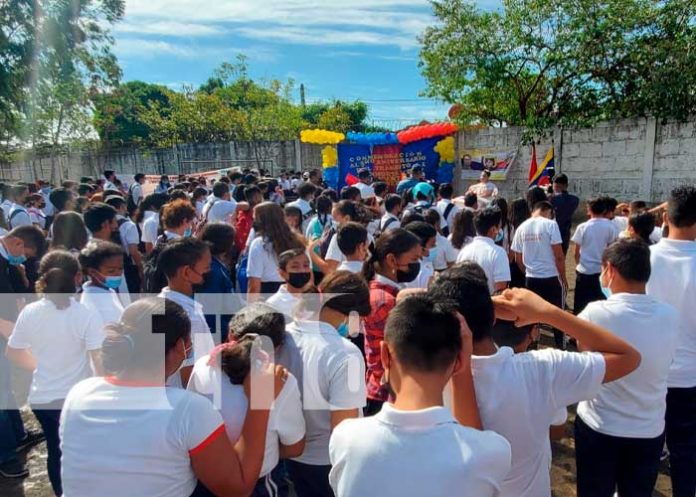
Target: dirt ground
x=562, y=470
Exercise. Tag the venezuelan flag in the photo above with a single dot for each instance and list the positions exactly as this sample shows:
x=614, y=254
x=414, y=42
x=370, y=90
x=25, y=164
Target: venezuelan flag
x=541, y=174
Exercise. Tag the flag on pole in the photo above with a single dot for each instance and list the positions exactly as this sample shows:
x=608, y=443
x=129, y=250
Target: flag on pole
x=541, y=174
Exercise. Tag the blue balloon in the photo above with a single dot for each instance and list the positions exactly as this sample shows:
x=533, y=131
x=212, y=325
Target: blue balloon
x=372, y=138
x=445, y=173
x=331, y=177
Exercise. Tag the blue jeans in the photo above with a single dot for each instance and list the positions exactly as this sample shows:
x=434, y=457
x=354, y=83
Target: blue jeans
x=310, y=480
x=11, y=425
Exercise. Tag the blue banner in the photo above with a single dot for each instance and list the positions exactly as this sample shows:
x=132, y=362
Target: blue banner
x=352, y=158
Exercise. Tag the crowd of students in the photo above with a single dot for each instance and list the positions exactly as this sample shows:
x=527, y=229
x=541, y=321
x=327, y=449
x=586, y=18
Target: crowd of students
x=239, y=336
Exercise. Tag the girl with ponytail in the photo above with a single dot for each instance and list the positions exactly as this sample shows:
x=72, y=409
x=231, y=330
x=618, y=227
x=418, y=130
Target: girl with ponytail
x=128, y=430
x=59, y=340
x=220, y=376
x=394, y=260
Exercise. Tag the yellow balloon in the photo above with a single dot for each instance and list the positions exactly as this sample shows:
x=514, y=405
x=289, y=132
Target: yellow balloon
x=446, y=149
x=321, y=137
x=329, y=157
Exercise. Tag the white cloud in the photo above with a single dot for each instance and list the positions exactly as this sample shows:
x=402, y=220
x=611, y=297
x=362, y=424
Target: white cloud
x=324, y=37
x=168, y=28
x=139, y=48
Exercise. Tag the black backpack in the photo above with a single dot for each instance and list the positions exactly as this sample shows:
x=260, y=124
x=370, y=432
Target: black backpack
x=326, y=237
x=446, y=230
x=130, y=203
x=154, y=279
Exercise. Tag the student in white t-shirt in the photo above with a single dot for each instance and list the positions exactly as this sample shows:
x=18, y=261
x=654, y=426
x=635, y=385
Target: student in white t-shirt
x=590, y=239
x=185, y=263
x=147, y=218
x=128, y=434
x=447, y=209
x=130, y=241
x=366, y=190
x=352, y=241
x=390, y=220
x=483, y=250
x=305, y=193
x=295, y=269
x=519, y=396
x=428, y=237
x=275, y=237
x=343, y=212
x=330, y=371
x=673, y=281
x=220, y=378
x=221, y=208
x=414, y=445
x=538, y=251
x=59, y=340
x=445, y=255
x=102, y=264
x=619, y=434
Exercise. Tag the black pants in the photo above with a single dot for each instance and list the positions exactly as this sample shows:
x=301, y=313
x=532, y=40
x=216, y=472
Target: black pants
x=587, y=289
x=517, y=279
x=551, y=290
x=48, y=416
x=310, y=480
x=606, y=464
x=680, y=427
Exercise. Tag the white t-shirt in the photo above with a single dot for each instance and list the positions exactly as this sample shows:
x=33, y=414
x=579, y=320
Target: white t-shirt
x=6, y=206
x=424, y=277
x=442, y=207
x=490, y=257
x=333, y=253
x=220, y=211
x=286, y=424
x=445, y=253
x=37, y=217
x=673, y=281
x=593, y=237
x=331, y=373
x=392, y=225
x=128, y=233
x=60, y=341
x=354, y=267
x=262, y=262
x=150, y=227
x=103, y=301
x=366, y=191
x=18, y=216
x=120, y=441
x=285, y=302
x=621, y=223
x=634, y=406
x=201, y=339
x=520, y=395
x=533, y=239
x=136, y=191
x=416, y=454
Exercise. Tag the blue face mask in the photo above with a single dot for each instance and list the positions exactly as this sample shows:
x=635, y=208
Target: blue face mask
x=188, y=232
x=16, y=260
x=113, y=282
x=432, y=255
x=605, y=290
x=499, y=237
x=343, y=330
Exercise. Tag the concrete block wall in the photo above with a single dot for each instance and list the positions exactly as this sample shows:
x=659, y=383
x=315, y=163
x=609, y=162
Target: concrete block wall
x=627, y=159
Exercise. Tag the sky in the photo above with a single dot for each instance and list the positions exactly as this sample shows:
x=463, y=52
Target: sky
x=339, y=49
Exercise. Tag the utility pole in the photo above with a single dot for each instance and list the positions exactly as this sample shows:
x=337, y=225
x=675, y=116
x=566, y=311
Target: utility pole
x=302, y=95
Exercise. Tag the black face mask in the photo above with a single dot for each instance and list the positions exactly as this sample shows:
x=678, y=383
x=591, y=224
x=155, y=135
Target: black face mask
x=410, y=275
x=203, y=284
x=298, y=280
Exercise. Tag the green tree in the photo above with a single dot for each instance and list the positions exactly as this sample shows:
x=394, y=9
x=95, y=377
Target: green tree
x=540, y=62
x=117, y=113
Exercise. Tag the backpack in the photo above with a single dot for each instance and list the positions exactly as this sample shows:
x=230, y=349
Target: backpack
x=448, y=210
x=154, y=279
x=381, y=229
x=131, y=206
x=326, y=236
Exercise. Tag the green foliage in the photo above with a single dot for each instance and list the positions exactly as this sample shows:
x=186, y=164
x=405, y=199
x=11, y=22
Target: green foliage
x=543, y=62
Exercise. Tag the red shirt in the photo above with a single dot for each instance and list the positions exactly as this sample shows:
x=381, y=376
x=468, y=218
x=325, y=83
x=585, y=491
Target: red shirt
x=382, y=301
x=245, y=220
